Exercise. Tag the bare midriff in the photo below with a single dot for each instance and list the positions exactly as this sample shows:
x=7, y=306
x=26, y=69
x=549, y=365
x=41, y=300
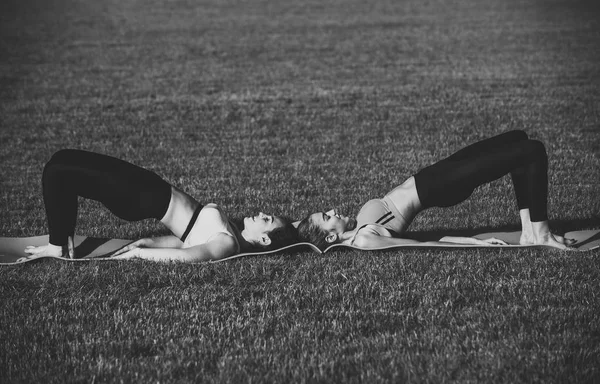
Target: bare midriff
x=180, y=211
x=406, y=200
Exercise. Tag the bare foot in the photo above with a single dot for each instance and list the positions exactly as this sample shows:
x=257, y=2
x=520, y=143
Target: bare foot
x=526, y=239
x=67, y=250
x=552, y=241
x=543, y=236
x=564, y=240
x=45, y=250
x=529, y=239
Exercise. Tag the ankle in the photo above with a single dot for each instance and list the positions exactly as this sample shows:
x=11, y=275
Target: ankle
x=65, y=250
x=526, y=227
x=540, y=230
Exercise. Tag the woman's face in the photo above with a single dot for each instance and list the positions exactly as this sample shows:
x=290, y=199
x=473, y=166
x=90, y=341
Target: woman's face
x=256, y=228
x=333, y=222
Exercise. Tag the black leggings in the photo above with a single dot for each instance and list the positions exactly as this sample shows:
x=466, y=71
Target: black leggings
x=130, y=192
x=453, y=180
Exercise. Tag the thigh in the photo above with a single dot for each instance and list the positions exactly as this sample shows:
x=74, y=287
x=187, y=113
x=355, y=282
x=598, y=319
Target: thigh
x=489, y=145
x=450, y=182
x=130, y=192
x=92, y=162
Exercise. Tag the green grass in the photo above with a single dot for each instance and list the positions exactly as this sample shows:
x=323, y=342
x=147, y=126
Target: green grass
x=291, y=107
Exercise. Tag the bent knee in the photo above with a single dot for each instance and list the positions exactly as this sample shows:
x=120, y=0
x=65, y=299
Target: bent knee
x=58, y=160
x=538, y=146
x=538, y=149
x=519, y=134
x=64, y=156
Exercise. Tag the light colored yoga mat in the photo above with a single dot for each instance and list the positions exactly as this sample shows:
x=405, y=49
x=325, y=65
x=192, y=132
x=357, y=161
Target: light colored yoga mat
x=86, y=248
x=90, y=248
x=586, y=240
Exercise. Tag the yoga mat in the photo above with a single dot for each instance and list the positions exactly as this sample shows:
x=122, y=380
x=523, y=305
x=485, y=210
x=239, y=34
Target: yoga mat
x=586, y=240
x=86, y=248
x=97, y=249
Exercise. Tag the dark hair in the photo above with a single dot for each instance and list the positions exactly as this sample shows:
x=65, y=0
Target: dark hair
x=282, y=236
x=309, y=231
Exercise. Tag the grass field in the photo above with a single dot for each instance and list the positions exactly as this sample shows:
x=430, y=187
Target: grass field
x=291, y=107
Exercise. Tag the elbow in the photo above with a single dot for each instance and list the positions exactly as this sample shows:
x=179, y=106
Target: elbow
x=205, y=257
x=361, y=242
x=213, y=258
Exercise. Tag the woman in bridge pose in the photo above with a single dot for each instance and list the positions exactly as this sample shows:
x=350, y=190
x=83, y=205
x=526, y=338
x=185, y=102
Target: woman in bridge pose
x=382, y=222
x=199, y=232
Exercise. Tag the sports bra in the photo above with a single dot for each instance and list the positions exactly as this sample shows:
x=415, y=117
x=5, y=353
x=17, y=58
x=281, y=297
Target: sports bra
x=206, y=222
x=380, y=217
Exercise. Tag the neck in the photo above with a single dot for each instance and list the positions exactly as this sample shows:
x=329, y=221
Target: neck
x=245, y=245
x=347, y=236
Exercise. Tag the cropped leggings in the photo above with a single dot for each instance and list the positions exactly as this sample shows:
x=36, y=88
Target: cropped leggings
x=130, y=192
x=452, y=180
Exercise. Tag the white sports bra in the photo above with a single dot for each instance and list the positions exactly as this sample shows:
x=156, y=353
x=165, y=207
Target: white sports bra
x=380, y=217
x=211, y=220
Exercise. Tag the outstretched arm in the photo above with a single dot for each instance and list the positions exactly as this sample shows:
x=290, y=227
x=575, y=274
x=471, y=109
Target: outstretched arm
x=472, y=240
x=221, y=246
x=153, y=242
x=373, y=241
x=169, y=241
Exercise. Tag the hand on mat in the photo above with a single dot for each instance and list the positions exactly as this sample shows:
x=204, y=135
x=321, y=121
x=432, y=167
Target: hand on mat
x=24, y=259
x=493, y=241
x=128, y=255
x=141, y=243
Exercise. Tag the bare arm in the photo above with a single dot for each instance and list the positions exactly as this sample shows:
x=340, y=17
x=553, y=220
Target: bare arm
x=154, y=242
x=373, y=241
x=169, y=241
x=220, y=246
x=472, y=240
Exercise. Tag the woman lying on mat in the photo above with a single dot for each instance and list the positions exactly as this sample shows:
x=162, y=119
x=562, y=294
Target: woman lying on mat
x=133, y=193
x=381, y=222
